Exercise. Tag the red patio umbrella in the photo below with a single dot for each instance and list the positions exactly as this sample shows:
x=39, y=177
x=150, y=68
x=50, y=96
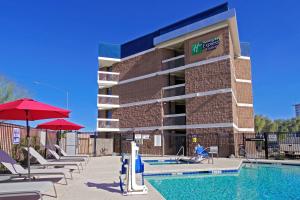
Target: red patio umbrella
x=30, y=110
x=59, y=124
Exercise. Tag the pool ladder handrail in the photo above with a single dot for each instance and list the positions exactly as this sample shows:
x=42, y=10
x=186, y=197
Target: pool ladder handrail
x=246, y=156
x=177, y=155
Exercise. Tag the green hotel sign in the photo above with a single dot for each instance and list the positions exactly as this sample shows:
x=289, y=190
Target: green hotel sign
x=208, y=45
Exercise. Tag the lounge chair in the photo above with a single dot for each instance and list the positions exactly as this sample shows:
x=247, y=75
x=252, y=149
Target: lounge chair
x=23, y=189
x=62, y=152
x=46, y=163
x=18, y=171
x=201, y=155
x=66, y=159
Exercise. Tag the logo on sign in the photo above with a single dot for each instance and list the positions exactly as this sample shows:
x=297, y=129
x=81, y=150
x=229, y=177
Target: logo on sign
x=16, y=136
x=208, y=45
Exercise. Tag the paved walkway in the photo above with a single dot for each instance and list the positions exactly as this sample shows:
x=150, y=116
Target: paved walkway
x=99, y=180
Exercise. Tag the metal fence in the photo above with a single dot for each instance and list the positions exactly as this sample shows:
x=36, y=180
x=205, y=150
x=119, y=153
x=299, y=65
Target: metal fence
x=279, y=145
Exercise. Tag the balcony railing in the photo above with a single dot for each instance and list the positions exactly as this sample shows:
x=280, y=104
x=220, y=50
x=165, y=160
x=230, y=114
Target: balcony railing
x=108, y=101
x=108, y=124
x=173, y=62
x=174, y=90
x=174, y=119
x=107, y=79
x=245, y=49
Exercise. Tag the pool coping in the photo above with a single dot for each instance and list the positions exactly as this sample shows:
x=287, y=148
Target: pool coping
x=221, y=170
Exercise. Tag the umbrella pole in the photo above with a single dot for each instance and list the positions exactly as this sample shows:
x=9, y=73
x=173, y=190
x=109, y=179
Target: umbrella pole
x=46, y=141
x=28, y=145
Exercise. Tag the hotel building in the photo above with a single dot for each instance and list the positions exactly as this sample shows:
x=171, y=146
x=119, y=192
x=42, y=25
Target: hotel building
x=185, y=84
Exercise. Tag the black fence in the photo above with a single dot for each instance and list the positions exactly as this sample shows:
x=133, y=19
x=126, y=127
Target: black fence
x=271, y=146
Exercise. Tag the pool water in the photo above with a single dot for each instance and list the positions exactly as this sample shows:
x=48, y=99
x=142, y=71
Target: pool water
x=261, y=182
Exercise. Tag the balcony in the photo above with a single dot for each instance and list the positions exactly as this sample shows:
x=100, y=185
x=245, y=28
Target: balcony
x=172, y=63
x=107, y=79
x=108, y=125
x=174, y=119
x=108, y=101
x=174, y=90
x=245, y=49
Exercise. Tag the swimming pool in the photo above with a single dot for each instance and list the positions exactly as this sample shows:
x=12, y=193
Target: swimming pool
x=258, y=183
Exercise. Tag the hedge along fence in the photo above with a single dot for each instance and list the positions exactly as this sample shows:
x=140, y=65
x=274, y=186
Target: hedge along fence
x=15, y=150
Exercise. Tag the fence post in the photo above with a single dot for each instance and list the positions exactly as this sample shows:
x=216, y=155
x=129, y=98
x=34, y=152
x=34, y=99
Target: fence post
x=266, y=146
x=95, y=143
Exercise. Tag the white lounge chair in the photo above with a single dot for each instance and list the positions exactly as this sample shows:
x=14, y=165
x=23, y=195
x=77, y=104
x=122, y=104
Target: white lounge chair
x=46, y=163
x=18, y=171
x=72, y=156
x=23, y=189
x=66, y=159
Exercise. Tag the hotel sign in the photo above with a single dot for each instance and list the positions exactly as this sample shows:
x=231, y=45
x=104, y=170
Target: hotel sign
x=207, y=45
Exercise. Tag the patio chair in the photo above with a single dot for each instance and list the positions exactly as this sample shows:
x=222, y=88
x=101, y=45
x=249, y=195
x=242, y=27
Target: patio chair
x=18, y=171
x=201, y=154
x=46, y=163
x=66, y=159
x=24, y=189
x=62, y=152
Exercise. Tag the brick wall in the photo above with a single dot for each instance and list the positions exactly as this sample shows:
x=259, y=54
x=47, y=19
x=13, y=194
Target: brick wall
x=141, y=90
x=244, y=92
x=245, y=115
x=242, y=69
x=141, y=65
x=209, y=109
x=139, y=116
x=208, y=77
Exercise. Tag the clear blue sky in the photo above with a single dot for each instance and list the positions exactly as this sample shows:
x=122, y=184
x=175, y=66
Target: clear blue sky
x=55, y=42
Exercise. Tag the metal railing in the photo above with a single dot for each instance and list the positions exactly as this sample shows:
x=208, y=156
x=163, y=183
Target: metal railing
x=173, y=62
x=108, y=99
x=177, y=157
x=278, y=145
x=175, y=119
x=174, y=90
x=108, y=76
x=108, y=123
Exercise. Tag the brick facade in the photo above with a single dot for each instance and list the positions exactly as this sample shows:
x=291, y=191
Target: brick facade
x=209, y=109
x=141, y=90
x=139, y=116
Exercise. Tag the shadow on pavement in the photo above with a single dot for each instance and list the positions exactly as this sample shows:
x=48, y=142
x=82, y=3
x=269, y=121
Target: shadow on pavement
x=110, y=187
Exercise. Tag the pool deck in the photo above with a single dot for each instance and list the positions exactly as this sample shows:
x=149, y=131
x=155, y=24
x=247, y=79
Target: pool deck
x=100, y=178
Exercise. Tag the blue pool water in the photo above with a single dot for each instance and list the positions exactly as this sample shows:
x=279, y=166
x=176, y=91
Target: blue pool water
x=263, y=182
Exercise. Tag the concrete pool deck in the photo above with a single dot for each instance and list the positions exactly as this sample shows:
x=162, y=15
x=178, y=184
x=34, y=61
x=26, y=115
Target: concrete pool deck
x=100, y=178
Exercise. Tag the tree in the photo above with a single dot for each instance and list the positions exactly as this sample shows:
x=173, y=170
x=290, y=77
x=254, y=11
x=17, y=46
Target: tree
x=264, y=124
x=259, y=122
x=10, y=91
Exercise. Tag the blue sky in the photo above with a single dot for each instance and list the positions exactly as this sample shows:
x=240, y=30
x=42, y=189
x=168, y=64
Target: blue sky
x=55, y=42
